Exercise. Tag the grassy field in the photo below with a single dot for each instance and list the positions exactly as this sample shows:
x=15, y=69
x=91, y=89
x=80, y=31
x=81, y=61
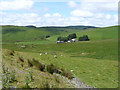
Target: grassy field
x=94, y=62
x=22, y=70
x=35, y=35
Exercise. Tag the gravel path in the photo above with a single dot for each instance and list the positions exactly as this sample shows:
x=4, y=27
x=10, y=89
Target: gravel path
x=75, y=82
x=79, y=84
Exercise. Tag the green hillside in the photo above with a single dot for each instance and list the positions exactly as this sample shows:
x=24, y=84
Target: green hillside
x=21, y=34
x=29, y=33
x=94, y=62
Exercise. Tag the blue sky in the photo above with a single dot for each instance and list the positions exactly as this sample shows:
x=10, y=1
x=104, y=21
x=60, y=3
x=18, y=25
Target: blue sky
x=100, y=13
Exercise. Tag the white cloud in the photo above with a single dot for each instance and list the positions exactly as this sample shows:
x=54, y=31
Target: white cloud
x=95, y=5
x=81, y=13
x=98, y=19
x=16, y=4
x=56, y=15
x=20, y=19
x=47, y=15
x=56, y=19
x=108, y=16
x=72, y=4
x=96, y=13
x=109, y=1
x=53, y=20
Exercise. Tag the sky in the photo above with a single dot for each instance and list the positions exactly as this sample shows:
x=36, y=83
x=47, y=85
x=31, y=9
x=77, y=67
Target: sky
x=100, y=13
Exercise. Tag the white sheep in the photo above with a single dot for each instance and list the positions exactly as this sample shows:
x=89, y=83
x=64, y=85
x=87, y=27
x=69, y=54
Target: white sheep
x=55, y=56
x=83, y=53
x=46, y=53
x=71, y=70
x=40, y=54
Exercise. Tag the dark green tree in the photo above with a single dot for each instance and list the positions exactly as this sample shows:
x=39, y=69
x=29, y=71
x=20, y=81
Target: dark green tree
x=71, y=36
x=58, y=39
x=84, y=38
x=65, y=39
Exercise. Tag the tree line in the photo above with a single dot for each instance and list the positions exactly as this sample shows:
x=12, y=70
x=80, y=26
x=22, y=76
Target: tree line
x=73, y=36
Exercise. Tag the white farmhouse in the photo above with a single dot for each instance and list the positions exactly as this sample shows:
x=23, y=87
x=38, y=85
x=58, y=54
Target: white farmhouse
x=68, y=41
x=73, y=40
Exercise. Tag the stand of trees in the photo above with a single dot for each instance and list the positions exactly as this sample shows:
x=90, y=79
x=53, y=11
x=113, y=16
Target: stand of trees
x=69, y=37
x=73, y=36
x=84, y=38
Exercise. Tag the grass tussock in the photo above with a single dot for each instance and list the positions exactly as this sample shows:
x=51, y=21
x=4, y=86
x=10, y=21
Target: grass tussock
x=8, y=78
x=27, y=81
x=67, y=74
x=52, y=69
x=30, y=63
x=36, y=63
x=21, y=59
x=49, y=68
x=45, y=84
x=10, y=53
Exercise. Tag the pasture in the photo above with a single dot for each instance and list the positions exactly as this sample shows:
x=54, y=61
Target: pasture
x=94, y=62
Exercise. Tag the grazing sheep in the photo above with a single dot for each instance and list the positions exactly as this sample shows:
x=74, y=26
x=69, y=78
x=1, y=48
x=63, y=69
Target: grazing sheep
x=55, y=56
x=83, y=53
x=46, y=53
x=40, y=54
x=22, y=46
x=71, y=70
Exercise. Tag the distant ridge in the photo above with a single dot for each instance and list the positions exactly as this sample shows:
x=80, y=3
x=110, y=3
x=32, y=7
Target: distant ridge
x=70, y=27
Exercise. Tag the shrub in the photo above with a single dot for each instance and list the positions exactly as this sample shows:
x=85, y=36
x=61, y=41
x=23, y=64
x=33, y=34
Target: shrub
x=47, y=36
x=3, y=69
x=39, y=65
x=12, y=77
x=10, y=52
x=45, y=84
x=57, y=79
x=8, y=77
x=52, y=69
x=26, y=82
x=67, y=74
x=30, y=63
x=31, y=76
x=5, y=81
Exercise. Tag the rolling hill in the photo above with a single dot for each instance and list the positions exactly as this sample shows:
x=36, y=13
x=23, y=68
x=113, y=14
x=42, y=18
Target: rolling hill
x=94, y=62
x=28, y=33
x=38, y=34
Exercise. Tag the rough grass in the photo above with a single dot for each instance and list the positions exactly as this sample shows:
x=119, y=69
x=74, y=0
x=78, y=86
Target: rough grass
x=37, y=77
x=104, y=49
x=95, y=63
x=95, y=72
x=34, y=35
